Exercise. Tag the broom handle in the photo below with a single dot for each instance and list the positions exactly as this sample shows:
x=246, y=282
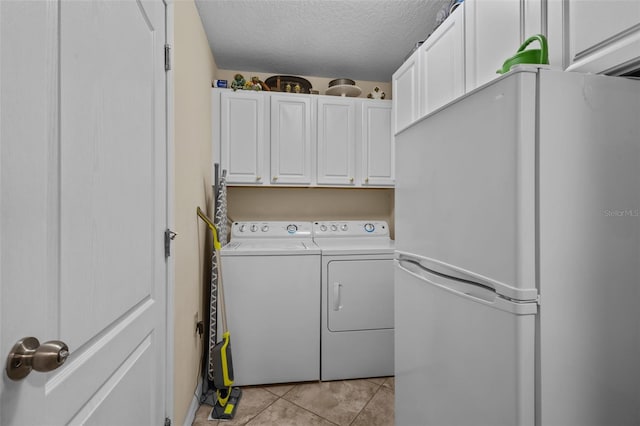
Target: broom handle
x=223, y=311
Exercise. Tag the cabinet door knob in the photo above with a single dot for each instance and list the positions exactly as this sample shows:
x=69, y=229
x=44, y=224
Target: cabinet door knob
x=366, y=180
x=351, y=179
x=258, y=177
x=275, y=178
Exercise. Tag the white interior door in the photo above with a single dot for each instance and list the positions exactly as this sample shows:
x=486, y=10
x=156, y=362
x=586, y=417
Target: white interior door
x=83, y=207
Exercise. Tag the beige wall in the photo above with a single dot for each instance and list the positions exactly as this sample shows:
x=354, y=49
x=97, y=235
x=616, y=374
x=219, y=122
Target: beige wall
x=309, y=204
x=318, y=83
x=194, y=68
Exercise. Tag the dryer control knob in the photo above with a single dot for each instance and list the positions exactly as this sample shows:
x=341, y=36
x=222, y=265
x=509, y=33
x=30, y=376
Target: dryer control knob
x=292, y=229
x=242, y=227
x=265, y=228
x=344, y=227
x=323, y=227
x=254, y=228
x=334, y=227
x=369, y=227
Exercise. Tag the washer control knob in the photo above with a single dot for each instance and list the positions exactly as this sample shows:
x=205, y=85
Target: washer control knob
x=254, y=227
x=344, y=227
x=242, y=227
x=265, y=228
x=369, y=227
x=334, y=227
x=323, y=227
x=292, y=228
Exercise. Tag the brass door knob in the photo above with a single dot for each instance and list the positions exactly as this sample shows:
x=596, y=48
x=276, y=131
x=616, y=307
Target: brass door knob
x=28, y=354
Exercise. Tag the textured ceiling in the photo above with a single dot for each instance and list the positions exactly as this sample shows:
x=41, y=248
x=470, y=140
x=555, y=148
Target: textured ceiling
x=357, y=39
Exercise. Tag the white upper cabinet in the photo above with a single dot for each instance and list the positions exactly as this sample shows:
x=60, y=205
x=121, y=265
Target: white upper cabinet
x=279, y=139
x=291, y=139
x=336, y=141
x=494, y=31
x=377, y=144
x=463, y=53
x=405, y=86
x=492, y=34
x=603, y=36
x=243, y=146
x=442, y=63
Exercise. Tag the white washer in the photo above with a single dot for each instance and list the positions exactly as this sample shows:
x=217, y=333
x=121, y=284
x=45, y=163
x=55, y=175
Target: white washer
x=271, y=278
x=357, y=299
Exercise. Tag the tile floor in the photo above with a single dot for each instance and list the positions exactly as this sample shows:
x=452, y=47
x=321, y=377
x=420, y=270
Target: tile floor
x=363, y=402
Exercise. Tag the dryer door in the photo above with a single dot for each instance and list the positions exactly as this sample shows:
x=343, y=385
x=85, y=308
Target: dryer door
x=359, y=294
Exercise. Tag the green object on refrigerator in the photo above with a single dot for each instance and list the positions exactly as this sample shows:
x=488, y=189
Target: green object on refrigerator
x=528, y=56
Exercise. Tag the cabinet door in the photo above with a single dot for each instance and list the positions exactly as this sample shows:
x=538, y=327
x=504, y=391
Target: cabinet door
x=377, y=144
x=442, y=63
x=336, y=141
x=290, y=139
x=405, y=88
x=492, y=34
x=242, y=136
x=604, y=36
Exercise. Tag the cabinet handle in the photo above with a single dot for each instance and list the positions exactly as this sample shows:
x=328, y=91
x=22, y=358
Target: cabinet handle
x=366, y=180
x=258, y=177
x=351, y=180
x=275, y=178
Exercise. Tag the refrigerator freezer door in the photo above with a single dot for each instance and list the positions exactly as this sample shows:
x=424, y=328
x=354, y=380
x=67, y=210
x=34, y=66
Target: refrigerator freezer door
x=460, y=360
x=465, y=187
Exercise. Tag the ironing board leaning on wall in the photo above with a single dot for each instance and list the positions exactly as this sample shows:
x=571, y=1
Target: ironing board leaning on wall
x=208, y=395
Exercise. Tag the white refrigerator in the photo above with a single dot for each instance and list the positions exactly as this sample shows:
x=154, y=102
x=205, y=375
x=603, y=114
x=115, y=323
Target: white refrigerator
x=517, y=271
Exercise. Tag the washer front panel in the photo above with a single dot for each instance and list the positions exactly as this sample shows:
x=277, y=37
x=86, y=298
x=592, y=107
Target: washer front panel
x=271, y=230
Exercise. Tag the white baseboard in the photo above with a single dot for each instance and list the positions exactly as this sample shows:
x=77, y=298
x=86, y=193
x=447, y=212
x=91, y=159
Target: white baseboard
x=195, y=404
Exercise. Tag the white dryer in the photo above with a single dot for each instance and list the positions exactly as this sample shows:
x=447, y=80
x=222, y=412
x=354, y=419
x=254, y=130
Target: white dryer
x=271, y=278
x=357, y=328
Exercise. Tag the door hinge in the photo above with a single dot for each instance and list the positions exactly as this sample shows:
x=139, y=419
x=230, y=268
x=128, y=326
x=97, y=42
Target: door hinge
x=167, y=421
x=169, y=236
x=167, y=57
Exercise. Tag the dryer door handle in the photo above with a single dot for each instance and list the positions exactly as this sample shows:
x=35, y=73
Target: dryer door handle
x=336, y=296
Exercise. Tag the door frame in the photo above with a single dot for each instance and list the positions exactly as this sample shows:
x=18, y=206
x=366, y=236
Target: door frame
x=169, y=296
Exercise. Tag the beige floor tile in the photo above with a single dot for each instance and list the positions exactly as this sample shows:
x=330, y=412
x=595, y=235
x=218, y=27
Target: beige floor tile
x=376, y=380
x=279, y=390
x=379, y=411
x=390, y=383
x=254, y=400
x=339, y=401
x=202, y=415
x=285, y=413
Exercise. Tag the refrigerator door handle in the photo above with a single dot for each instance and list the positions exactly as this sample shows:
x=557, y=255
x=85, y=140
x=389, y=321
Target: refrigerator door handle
x=466, y=289
x=457, y=273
